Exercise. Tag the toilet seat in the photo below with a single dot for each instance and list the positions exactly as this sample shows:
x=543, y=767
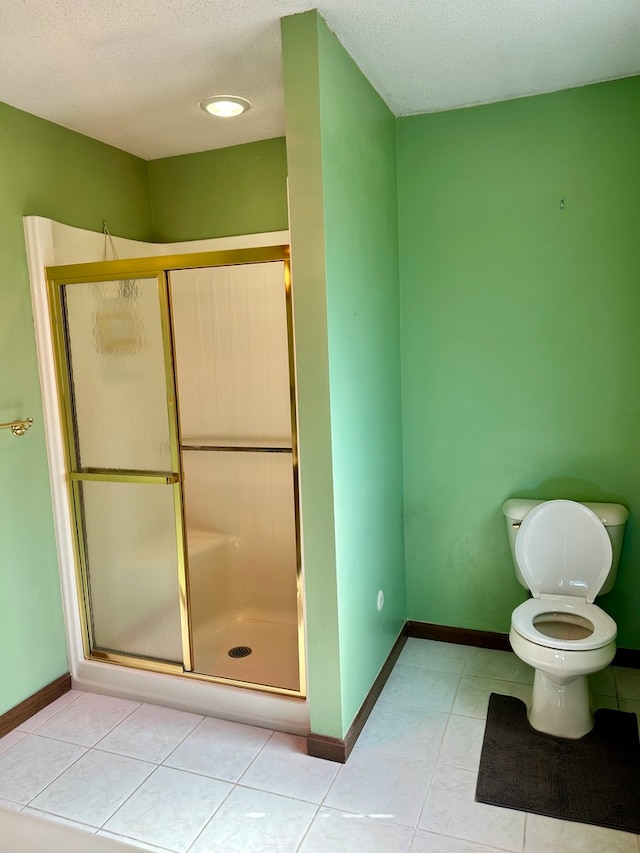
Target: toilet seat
x=562, y=548
x=604, y=627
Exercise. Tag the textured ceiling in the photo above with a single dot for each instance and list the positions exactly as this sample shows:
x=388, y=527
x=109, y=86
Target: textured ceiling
x=131, y=72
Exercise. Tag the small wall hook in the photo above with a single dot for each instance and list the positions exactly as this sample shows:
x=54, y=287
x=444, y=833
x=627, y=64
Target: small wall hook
x=18, y=428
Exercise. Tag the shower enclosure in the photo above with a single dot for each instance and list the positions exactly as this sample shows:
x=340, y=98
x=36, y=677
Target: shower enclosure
x=177, y=381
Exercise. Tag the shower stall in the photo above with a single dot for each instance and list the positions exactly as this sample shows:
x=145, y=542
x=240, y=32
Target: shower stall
x=177, y=392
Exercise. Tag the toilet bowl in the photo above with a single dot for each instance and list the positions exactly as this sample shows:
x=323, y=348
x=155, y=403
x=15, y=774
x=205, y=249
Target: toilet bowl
x=564, y=553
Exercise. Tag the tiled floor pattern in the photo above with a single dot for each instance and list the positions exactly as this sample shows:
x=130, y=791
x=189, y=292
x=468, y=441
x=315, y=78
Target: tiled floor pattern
x=168, y=780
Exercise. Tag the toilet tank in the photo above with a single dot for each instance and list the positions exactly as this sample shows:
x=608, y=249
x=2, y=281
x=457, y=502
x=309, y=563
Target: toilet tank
x=613, y=516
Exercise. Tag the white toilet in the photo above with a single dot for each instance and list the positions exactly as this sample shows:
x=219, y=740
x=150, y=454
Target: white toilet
x=565, y=553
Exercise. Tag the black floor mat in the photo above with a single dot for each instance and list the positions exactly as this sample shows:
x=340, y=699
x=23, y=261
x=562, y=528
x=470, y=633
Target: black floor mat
x=594, y=779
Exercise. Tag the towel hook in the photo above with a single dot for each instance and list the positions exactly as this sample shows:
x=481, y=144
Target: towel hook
x=18, y=428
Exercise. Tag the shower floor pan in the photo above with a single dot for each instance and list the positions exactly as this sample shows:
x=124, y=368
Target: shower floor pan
x=273, y=660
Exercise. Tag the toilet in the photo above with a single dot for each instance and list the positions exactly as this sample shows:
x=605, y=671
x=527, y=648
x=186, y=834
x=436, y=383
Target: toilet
x=565, y=553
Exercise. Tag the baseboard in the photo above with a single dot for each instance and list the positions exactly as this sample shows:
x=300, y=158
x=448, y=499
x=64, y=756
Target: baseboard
x=627, y=657
x=494, y=640
x=17, y=715
x=462, y=636
x=337, y=749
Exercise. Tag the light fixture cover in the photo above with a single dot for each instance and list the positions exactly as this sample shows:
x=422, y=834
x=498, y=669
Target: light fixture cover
x=225, y=106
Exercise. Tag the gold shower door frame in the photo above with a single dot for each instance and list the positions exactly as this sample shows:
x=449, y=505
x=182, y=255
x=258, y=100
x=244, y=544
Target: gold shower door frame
x=159, y=268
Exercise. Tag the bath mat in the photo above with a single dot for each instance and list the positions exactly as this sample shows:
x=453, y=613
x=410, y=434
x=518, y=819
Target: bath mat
x=595, y=779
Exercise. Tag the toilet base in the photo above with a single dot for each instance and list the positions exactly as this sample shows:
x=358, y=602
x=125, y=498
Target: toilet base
x=560, y=709
x=561, y=704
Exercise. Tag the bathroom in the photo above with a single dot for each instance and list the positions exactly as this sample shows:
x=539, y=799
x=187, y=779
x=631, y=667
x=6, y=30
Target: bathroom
x=497, y=358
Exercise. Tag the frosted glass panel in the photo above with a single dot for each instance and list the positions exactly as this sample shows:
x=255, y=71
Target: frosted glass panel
x=118, y=375
x=242, y=565
x=243, y=502
x=133, y=568
x=232, y=360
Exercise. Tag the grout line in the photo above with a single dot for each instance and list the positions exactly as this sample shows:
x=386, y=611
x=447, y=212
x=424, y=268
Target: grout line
x=62, y=772
x=308, y=829
x=259, y=752
x=213, y=814
x=426, y=796
x=51, y=716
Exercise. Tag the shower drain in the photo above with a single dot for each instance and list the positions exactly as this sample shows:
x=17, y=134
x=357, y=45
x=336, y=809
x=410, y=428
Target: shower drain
x=239, y=652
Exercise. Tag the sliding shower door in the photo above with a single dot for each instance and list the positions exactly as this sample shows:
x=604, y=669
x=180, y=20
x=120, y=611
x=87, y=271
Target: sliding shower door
x=114, y=366
x=232, y=335
x=184, y=515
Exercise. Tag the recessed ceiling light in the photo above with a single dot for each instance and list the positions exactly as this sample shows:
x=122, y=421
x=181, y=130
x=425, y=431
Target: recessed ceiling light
x=225, y=106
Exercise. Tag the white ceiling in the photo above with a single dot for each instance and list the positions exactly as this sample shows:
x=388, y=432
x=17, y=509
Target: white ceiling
x=131, y=72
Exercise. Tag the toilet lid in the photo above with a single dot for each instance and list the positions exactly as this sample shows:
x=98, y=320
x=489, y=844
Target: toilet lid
x=563, y=548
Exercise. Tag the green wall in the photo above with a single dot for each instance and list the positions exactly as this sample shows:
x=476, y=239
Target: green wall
x=520, y=337
x=47, y=171
x=237, y=190
x=342, y=178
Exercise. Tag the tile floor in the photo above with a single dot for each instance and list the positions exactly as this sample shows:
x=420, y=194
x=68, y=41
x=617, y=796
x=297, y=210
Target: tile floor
x=167, y=780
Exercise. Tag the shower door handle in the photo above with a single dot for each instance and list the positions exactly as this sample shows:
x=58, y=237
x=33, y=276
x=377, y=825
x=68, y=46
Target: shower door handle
x=106, y=476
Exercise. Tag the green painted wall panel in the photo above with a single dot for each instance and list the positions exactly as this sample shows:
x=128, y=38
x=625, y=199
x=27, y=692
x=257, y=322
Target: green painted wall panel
x=48, y=171
x=520, y=336
x=342, y=183
x=237, y=190
x=361, y=251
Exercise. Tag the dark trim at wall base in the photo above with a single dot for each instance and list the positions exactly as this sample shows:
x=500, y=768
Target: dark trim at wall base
x=627, y=657
x=336, y=749
x=462, y=636
x=17, y=715
x=495, y=640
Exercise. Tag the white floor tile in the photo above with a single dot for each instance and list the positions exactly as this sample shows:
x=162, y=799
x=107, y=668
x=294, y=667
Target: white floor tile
x=7, y=804
x=450, y=809
x=93, y=788
x=385, y=787
x=548, y=835
x=219, y=748
x=11, y=738
x=414, y=766
x=472, y=698
x=416, y=687
x=341, y=832
x=462, y=742
x=603, y=682
x=491, y=663
x=139, y=845
x=169, y=809
x=283, y=767
x=256, y=822
x=447, y=657
x=428, y=842
x=87, y=719
x=52, y=708
x=150, y=733
x=599, y=700
x=627, y=682
x=33, y=763
x=408, y=732
x=63, y=820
